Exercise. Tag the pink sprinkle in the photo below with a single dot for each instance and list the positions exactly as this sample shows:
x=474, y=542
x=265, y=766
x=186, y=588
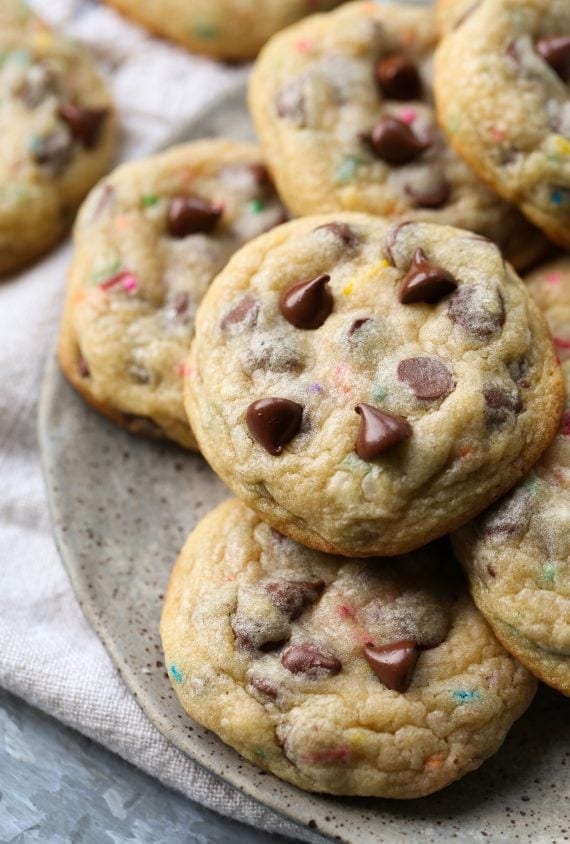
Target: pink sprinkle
x=180, y=368
x=345, y=611
x=129, y=283
x=125, y=279
x=190, y=371
x=496, y=134
x=565, y=429
x=554, y=278
x=561, y=343
x=408, y=115
x=303, y=45
x=334, y=754
x=342, y=375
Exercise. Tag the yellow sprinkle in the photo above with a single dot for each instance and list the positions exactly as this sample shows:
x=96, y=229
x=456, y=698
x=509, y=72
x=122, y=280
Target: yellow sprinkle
x=562, y=145
x=383, y=264
x=43, y=40
x=348, y=289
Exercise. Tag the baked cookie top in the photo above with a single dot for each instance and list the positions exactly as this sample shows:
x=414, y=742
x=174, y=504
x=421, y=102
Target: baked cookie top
x=344, y=109
x=57, y=133
x=148, y=242
x=337, y=675
x=517, y=555
x=511, y=122
x=366, y=386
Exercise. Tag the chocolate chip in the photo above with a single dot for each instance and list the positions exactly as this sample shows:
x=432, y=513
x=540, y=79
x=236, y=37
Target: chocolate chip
x=192, y=215
x=393, y=664
x=394, y=141
x=265, y=687
x=433, y=198
x=181, y=303
x=293, y=596
x=242, y=315
x=398, y=78
x=342, y=231
x=260, y=175
x=273, y=422
x=425, y=281
x=427, y=378
x=379, y=431
x=85, y=124
x=358, y=324
x=307, y=304
x=307, y=658
x=478, y=311
x=555, y=50
x=508, y=516
x=83, y=368
x=501, y=405
x=290, y=103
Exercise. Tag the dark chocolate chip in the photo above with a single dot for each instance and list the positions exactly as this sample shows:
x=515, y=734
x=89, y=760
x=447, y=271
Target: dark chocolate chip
x=425, y=281
x=394, y=141
x=427, y=378
x=243, y=314
x=293, y=596
x=265, y=687
x=85, y=124
x=192, y=215
x=471, y=308
x=555, y=50
x=307, y=658
x=501, y=405
x=398, y=78
x=379, y=431
x=434, y=198
x=307, y=304
x=391, y=241
x=342, y=231
x=393, y=664
x=273, y=422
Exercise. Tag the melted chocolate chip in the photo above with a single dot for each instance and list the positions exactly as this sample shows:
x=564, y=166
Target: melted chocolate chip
x=379, y=431
x=307, y=304
x=357, y=325
x=192, y=215
x=507, y=517
x=394, y=141
x=293, y=596
x=501, y=405
x=244, y=314
x=393, y=664
x=425, y=281
x=265, y=687
x=434, y=198
x=273, y=422
x=342, y=231
x=479, y=312
x=427, y=378
x=555, y=50
x=85, y=124
x=398, y=78
x=307, y=658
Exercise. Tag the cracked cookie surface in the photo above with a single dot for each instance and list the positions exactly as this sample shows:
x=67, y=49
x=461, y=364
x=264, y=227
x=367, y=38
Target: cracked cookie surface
x=511, y=122
x=344, y=110
x=281, y=651
x=58, y=134
x=517, y=555
x=148, y=242
x=367, y=386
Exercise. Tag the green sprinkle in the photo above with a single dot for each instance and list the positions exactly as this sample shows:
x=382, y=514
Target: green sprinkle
x=149, y=199
x=549, y=572
x=175, y=673
x=206, y=31
x=349, y=168
x=531, y=483
x=256, y=206
x=465, y=695
x=554, y=158
x=106, y=271
x=379, y=393
x=260, y=752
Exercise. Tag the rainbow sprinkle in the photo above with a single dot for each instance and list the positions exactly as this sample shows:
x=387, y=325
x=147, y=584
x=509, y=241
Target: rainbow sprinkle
x=175, y=673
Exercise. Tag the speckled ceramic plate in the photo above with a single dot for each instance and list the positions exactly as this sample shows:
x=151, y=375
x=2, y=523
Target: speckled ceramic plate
x=122, y=508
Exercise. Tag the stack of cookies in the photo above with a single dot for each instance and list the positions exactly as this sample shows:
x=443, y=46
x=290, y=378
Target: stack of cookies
x=366, y=378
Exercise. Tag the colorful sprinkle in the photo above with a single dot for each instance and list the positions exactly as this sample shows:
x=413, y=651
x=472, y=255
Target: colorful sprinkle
x=346, y=291
x=348, y=168
x=554, y=278
x=496, y=134
x=433, y=763
x=345, y=611
x=465, y=695
x=206, y=31
x=379, y=393
x=559, y=196
x=256, y=206
x=175, y=673
x=316, y=389
x=465, y=453
x=562, y=145
x=335, y=754
x=125, y=280
x=408, y=115
x=259, y=752
x=106, y=271
x=548, y=573
x=304, y=45
x=149, y=199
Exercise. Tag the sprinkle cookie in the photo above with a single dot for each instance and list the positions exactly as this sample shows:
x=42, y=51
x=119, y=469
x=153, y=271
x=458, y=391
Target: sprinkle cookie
x=58, y=134
x=344, y=110
x=511, y=123
x=224, y=29
x=367, y=386
x=149, y=240
x=334, y=675
x=517, y=555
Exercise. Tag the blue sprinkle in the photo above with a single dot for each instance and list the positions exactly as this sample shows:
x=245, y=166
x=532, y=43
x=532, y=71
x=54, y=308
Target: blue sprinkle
x=175, y=673
x=559, y=196
x=465, y=695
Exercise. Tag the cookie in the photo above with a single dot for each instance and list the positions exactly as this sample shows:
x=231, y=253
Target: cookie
x=336, y=675
x=224, y=29
x=366, y=386
x=517, y=555
x=148, y=242
x=511, y=122
x=344, y=110
x=58, y=134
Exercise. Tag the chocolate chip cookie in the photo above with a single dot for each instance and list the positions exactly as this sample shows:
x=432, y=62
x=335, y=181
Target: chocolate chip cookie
x=517, y=555
x=148, y=242
x=57, y=134
x=225, y=29
x=344, y=110
x=367, y=386
x=502, y=77
x=333, y=674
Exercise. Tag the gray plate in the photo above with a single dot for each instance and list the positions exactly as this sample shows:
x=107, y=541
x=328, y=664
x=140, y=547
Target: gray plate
x=122, y=508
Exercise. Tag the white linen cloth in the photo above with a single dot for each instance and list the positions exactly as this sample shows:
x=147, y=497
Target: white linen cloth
x=48, y=654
